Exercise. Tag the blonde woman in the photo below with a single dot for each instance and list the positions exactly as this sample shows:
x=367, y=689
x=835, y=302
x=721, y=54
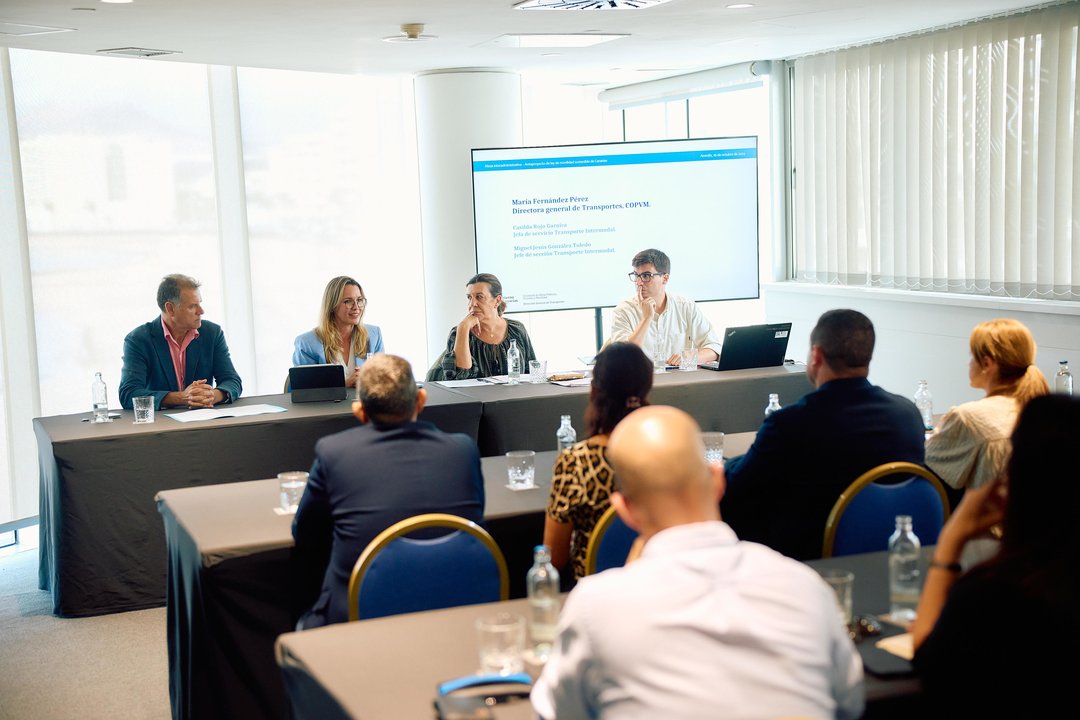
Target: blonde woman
x=971, y=445
x=340, y=338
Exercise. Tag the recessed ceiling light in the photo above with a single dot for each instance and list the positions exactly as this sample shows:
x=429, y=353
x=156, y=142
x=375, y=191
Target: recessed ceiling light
x=740, y=6
x=117, y=2
x=538, y=40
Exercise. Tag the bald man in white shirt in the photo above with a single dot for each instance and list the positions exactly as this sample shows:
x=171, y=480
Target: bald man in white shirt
x=702, y=625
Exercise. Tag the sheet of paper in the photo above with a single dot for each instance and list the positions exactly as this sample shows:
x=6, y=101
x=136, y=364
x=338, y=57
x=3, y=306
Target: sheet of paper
x=223, y=412
x=899, y=645
x=471, y=382
x=579, y=382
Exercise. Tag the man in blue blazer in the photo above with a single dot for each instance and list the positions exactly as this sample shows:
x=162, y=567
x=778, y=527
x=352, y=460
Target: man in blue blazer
x=178, y=358
x=805, y=455
x=367, y=478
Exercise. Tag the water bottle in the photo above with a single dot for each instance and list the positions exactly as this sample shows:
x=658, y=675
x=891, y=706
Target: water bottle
x=774, y=404
x=1063, y=380
x=542, y=584
x=925, y=403
x=101, y=400
x=904, y=585
x=513, y=363
x=565, y=436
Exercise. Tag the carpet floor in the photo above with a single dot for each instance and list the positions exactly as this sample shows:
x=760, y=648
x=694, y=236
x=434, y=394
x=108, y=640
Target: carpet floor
x=112, y=666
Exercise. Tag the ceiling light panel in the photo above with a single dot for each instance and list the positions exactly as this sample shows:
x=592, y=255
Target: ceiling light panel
x=588, y=4
x=538, y=40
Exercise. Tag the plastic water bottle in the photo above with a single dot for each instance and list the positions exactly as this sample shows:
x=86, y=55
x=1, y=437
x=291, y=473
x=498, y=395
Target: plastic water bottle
x=904, y=582
x=101, y=400
x=925, y=403
x=565, y=436
x=542, y=585
x=1063, y=379
x=513, y=363
x=774, y=404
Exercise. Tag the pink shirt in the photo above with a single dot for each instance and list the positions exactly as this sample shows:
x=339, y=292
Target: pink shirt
x=178, y=352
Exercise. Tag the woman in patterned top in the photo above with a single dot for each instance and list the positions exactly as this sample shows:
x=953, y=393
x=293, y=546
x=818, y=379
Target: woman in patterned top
x=477, y=345
x=582, y=480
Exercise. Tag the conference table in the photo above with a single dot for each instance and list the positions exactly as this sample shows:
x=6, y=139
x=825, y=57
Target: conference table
x=102, y=545
x=389, y=667
x=232, y=588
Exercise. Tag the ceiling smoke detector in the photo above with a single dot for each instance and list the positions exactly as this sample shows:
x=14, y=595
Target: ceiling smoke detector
x=410, y=32
x=588, y=4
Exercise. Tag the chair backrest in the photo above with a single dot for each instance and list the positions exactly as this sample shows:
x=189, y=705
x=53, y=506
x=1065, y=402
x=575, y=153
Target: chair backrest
x=609, y=543
x=397, y=574
x=287, y=385
x=863, y=517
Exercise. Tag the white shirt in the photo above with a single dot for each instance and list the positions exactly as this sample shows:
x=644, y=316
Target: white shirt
x=701, y=626
x=670, y=332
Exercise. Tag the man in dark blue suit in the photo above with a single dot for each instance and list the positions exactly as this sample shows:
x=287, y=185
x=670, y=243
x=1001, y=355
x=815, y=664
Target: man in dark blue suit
x=367, y=478
x=178, y=358
x=781, y=491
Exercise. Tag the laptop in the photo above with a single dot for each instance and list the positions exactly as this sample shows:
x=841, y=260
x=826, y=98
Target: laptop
x=752, y=346
x=317, y=383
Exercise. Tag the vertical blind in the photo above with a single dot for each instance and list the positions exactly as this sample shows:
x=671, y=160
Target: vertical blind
x=947, y=162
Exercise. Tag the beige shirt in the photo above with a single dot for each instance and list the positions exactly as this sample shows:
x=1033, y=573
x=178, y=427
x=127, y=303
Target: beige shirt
x=681, y=325
x=971, y=445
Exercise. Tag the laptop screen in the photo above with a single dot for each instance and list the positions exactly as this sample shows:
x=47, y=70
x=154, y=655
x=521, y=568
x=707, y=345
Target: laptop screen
x=754, y=346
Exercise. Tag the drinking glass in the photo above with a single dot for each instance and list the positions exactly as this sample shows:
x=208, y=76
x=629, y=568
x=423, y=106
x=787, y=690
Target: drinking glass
x=501, y=641
x=521, y=469
x=538, y=371
x=144, y=409
x=843, y=583
x=291, y=484
x=714, y=447
x=688, y=359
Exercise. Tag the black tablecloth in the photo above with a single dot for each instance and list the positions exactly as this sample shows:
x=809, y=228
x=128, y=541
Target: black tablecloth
x=102, y=546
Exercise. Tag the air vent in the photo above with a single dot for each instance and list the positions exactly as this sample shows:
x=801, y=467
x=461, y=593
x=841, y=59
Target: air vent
x=19, y=29
x=588, y=4
x=138, y=52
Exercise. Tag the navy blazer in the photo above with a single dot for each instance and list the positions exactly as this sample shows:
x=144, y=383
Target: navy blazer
x=364, y=480
x=148, y=366
x=780, y=493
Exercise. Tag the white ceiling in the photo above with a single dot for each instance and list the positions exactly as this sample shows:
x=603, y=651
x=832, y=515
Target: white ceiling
x=345, y=35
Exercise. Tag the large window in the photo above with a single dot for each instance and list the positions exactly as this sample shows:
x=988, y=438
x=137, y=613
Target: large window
x=332, y=189
x=119, y=191
x=947, y=162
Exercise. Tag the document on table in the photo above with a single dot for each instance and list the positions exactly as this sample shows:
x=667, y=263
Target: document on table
x=224, y=412
x=900, y=645
x=475, y=382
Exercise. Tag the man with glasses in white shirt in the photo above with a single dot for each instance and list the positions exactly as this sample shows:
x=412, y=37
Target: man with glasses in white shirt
x=662, y=324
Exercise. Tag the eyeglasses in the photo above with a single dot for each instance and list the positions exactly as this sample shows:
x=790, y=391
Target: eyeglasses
x=645, y=277
x=357, y=303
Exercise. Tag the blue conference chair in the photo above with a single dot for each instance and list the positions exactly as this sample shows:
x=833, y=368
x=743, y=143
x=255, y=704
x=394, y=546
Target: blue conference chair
x=609, y=543
x=864, y=516
x=397, y=574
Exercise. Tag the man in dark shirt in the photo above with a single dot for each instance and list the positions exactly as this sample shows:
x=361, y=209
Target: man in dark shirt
x=781, y=491
x=367, y=478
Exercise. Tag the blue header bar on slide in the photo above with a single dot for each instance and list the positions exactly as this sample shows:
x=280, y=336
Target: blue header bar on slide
x=609, y=160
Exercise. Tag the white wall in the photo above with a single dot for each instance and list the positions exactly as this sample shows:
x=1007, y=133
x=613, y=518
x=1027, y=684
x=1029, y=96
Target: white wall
x=924, y=336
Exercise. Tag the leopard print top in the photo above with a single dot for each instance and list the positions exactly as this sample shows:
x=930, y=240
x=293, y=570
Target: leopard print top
x=581, y=485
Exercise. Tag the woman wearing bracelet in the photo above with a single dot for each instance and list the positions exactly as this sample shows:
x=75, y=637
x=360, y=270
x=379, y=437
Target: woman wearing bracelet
x=477, y=346
x=984, y=638
x=340, y=338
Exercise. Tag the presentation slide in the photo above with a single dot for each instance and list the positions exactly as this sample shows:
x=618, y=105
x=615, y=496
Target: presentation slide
x=560, y=225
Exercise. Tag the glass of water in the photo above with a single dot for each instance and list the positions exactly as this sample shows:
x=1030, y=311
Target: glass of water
x=501, y=640
x=144, y=409
x=714, y=447
x=688, y=359
x=842, y=583
x=291, y=485
x=521, y=469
